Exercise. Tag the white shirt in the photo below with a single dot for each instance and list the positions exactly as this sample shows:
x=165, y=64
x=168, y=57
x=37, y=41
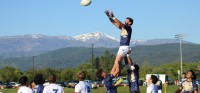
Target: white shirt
x=53, y=88
x=25, y=89
x=82, y=87
x=152, y=89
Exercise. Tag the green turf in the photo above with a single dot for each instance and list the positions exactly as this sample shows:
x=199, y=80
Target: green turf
x=170, y=89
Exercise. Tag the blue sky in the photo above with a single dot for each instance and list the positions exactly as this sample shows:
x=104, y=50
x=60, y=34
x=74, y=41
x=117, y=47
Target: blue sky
x=153, y=18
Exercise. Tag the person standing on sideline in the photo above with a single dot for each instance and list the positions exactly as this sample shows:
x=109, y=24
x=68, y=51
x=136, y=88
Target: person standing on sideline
x=82, y=86
x=53, y=87
x=24, y=85
x=39, y=81
x=152, y=88
x=183, y=77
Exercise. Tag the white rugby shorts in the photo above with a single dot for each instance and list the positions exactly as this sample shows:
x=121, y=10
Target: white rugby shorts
x=123, y=50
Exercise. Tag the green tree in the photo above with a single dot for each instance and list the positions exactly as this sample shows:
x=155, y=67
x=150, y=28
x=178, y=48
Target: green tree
x=48, y=71
x=67, y=74
x=10, y=73
x=107, y=61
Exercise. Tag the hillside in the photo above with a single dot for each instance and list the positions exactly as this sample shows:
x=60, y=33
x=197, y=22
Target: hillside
x=72, y=57
x=35, y=44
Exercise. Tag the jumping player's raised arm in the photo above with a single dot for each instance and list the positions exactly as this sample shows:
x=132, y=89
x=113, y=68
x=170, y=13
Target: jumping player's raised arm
x=114, y=20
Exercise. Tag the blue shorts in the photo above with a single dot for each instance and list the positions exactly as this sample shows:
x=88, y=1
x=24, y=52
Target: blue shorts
x=133, y=86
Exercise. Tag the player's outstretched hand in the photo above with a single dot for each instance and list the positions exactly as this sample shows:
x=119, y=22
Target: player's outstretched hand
x=111, y=14
x=107, y=13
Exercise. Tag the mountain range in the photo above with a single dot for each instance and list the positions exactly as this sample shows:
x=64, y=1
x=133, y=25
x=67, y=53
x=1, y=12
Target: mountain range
x=31, y=45
x=144, y=55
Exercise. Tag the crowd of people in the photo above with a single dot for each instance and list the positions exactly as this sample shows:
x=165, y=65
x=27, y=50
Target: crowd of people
x=36, y=85
x=187, y=85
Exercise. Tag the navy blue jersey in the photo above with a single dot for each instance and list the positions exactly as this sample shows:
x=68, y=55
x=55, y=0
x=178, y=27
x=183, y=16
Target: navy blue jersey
x=38, y=89
x=125, y=36
x=134, y=85
x=135, y=72
x=108, y=84
x=189, y=86
x=159, y=84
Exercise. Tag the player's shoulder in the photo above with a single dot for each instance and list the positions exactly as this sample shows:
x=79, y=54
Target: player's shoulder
x=78, y=85
x=128, y=27
x=25, y=89
x=110, y=75
x=29, y=90
x=184, y=82
x=194, y=83
x=52, y=86
x=151, y=86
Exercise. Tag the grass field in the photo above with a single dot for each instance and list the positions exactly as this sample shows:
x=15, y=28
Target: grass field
x=170, y=89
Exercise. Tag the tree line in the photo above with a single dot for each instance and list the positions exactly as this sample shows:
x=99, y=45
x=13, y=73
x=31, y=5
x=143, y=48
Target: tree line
x=104, y=62
x=69, y=57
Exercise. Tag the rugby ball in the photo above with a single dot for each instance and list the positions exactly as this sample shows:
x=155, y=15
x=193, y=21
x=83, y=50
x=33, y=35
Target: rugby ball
x=85, y=2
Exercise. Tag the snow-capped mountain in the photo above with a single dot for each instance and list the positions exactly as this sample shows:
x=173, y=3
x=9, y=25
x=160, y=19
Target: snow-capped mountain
x=98, y=39
x=29, y=45
x=96, y=36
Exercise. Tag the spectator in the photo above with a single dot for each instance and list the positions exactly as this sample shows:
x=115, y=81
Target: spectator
x=39, y=81
x=53, y=87
x=82, y=86
x=183, y=77
x=152, y=88
x=24, y=85
x=32, y=85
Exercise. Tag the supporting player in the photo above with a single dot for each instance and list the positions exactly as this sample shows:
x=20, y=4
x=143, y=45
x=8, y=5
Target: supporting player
x=53, y=87
x=107, y=80
x=125, y=37
x=82, y=86
x=133, y=75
